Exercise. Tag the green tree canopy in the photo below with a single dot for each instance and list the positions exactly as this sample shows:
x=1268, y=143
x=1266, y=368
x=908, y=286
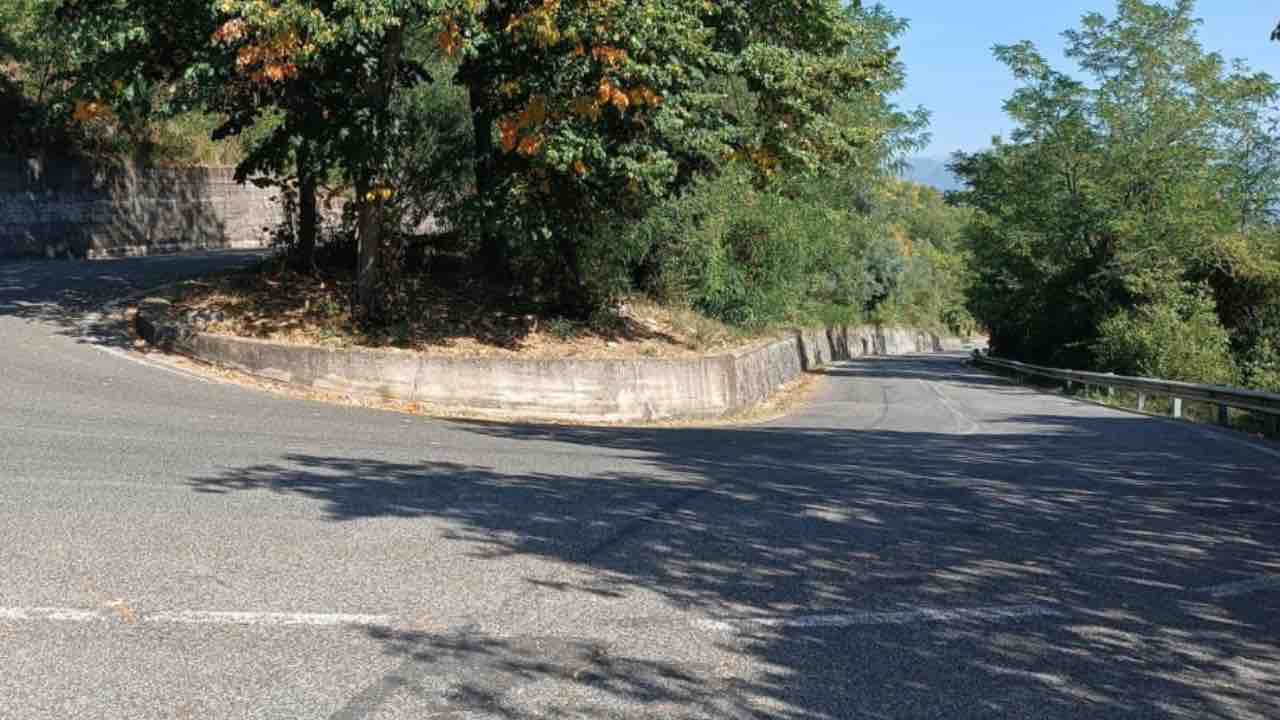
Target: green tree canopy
x=1121, y=190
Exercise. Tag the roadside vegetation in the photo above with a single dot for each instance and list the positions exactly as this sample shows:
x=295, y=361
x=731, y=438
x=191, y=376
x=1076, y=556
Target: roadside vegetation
x=1129, y=223
x=556, y=159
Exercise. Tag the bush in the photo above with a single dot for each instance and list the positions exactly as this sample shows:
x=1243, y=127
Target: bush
x=811, y=249
x=1262, y=369
x=1258, y=345
x=1174, y=338
x=746, y=256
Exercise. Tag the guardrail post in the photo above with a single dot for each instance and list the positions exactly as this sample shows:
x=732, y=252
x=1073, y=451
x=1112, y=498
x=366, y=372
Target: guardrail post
x=1142, y=402
x=1224, y=416
x=1177, y=408
x=1070, y=385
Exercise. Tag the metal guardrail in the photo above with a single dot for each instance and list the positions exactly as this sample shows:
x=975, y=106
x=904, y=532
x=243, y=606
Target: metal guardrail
x=1222, y=396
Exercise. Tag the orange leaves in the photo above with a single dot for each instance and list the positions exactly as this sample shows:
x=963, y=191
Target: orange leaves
x=512, y=128
x=528, y=145
x=450, y=38
x=509, y=129
x=613, y=57
x=609, y=94
x=531, y=145
x=232, y=31
x=90, y=110
x=642, y=96
x=269, y=59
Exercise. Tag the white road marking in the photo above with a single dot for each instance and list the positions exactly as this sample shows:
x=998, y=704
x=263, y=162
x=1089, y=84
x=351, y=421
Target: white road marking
x=141, y=360
x=946, y=402
x=114, y=615
x=102, y=343
x=194, y=617
x=52, y=615
x=903, y=617
x=1243, y=587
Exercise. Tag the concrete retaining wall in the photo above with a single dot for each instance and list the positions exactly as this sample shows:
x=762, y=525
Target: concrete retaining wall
x=570, y=390
x=73, y=209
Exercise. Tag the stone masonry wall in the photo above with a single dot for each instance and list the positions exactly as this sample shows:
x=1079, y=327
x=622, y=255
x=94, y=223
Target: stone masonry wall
x=73, y=209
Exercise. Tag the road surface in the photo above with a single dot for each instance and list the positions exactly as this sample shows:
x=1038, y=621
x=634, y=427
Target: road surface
x=918, y=541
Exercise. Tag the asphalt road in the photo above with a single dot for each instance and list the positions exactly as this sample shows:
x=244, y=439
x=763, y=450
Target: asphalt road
x=919, y=541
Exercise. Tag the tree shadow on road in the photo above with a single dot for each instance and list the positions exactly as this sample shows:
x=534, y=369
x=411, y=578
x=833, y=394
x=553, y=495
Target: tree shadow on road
x=1113, y=522
x=70, y=295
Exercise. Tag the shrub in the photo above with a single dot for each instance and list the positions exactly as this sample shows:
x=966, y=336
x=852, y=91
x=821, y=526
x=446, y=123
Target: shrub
x=1174, y=338
x=742, y=255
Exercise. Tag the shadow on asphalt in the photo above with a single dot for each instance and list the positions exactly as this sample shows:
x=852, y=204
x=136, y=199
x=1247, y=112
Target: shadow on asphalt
x=1110, y=520
x=68, y=295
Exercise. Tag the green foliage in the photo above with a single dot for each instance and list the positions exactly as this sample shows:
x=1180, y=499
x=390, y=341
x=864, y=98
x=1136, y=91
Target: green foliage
x=1175, y=338
x=797, y=252
x=1113, y=193
x=744, y=256
x=432, y=171
x=30, y=59
x=733, y=156
x=592, y=113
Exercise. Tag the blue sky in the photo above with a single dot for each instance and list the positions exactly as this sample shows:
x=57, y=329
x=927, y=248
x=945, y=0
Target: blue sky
x=952, y=73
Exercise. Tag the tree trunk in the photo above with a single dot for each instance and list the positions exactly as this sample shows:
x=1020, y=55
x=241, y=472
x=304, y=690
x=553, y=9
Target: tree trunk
x=369, y=209
x=493, y=248
x=304, y=259
x=369, y=262
x=571, y=291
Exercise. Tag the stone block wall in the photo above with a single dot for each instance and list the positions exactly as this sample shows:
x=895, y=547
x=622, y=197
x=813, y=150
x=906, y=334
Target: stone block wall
x=65, y=208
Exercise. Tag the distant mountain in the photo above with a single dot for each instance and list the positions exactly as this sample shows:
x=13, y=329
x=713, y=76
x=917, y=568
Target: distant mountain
x=932, y=171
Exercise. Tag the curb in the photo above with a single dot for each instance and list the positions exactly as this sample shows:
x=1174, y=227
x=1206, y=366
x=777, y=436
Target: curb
x=558, y=390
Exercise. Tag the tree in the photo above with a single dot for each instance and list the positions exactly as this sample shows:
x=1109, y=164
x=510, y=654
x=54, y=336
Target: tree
x=587, y=113
x=1118, y=193
x=325, y=74
x=334, y=70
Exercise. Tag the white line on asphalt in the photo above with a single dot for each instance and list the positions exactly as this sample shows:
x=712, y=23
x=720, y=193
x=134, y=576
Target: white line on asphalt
x=49, y=614
x=1243, y=587
x=137, y=359
x=904, y=617
x=946, y=401
x=193, y=617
